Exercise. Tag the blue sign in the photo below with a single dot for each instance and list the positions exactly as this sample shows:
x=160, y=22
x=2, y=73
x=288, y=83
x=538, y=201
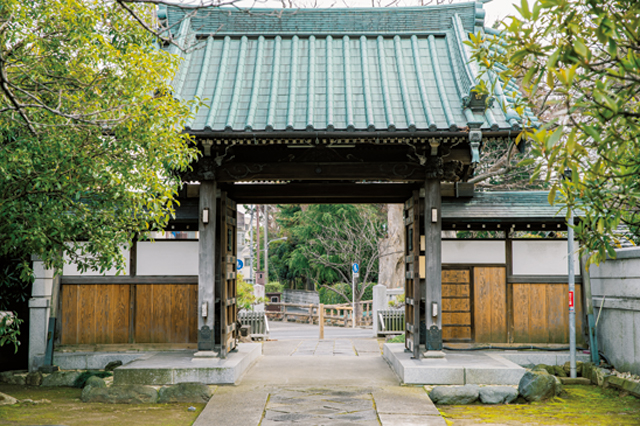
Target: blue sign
x=240, y=264
x=355, y=268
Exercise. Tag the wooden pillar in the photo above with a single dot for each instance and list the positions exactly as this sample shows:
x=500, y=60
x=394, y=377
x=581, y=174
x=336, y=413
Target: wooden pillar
x=433, y=261
x=207, y=266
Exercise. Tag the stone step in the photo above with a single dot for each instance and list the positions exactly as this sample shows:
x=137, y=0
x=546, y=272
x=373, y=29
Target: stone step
x=172, y=368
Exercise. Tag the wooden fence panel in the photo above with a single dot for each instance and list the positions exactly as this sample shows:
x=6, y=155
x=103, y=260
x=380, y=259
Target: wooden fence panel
x=541, y=313
x=95, y=314
x=165, y=313
x=101, y=314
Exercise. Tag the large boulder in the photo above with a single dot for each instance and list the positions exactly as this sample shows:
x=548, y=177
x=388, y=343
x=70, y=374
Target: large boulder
x=60, y=378
x=498, y=394
x=34, y=378
x=538, y=385
x=455, y=395
x=185, y=392
x=13, y=377
x=543, y=367
x=95, y=381
x=7, y=400
x=559, y=371
x=122, y=394
x=567, y=368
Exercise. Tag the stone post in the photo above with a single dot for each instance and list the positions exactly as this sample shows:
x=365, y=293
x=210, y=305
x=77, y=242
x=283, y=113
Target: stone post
x=379, y=303
x=258, y=292
x=39, y=308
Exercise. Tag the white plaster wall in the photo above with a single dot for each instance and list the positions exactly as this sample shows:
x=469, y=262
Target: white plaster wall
x=540, y=257
x=72, y=269
x=167, y=258
x=476, y=252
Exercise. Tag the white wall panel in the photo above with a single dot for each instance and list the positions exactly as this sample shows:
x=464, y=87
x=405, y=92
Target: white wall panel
x=470, y=251
x=71, y=269
x=539, y=257
x=167, y=258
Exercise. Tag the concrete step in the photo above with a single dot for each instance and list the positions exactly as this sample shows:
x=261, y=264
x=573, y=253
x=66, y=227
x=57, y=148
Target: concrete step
x=167, y=368
x=456, y=368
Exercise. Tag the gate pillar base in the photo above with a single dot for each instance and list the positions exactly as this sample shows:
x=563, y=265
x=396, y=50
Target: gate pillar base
x=206, y=339
x=434, y=339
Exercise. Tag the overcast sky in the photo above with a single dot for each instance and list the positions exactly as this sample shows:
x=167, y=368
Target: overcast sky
x=496, y=9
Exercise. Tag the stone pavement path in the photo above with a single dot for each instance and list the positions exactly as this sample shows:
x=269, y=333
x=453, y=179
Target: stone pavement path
x=337, y=347
x=320, y=383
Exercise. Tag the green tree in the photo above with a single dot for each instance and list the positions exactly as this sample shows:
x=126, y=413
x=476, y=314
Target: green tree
x=90, y=136
x=327, y=239
x=578, y=62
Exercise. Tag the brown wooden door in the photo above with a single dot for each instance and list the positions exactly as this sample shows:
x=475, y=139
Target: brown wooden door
x=490, y=304
x=456, y=305
x=226, y=290
x=412, y=273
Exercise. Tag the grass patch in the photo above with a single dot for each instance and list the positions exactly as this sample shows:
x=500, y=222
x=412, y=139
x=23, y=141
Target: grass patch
x=583, y=405
x=66, y=408
x=396, y=339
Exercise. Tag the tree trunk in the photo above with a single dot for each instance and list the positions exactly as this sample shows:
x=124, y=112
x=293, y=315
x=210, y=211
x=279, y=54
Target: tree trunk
x=392, y=249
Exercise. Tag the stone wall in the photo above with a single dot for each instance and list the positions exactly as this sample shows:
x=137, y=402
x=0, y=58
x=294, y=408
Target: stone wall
x=300, y=296
x=615, y=286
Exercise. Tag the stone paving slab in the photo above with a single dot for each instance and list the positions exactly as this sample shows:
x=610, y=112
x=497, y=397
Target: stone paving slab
x=234, y=406
x=320, y=406
x=411, y=420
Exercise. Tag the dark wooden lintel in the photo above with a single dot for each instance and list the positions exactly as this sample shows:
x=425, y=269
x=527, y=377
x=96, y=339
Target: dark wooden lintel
x=386, y=172
x=321, y=193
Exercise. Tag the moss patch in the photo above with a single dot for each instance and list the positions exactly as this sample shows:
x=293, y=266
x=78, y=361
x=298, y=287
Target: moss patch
x=583, y=405
x=67, y=408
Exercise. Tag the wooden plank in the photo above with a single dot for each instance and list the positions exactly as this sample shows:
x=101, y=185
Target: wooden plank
x=143, y=314
x=121, y=322
x=69, y=315
x=102, y=314
x=538, y=324
x=455, y=276
x=161, y=313
x=179, y=314
x=456, y=318
x=498, y=288
x=452, y=333
x=87, y=315
x=455, y=304
x=521, y=297
x=482, y=304
x=557, y=312
x=192, y=315
x=456, y=290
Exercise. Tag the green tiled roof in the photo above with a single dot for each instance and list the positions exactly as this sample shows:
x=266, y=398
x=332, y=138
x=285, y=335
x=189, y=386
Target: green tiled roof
x=378, y=69
x=514, y=205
